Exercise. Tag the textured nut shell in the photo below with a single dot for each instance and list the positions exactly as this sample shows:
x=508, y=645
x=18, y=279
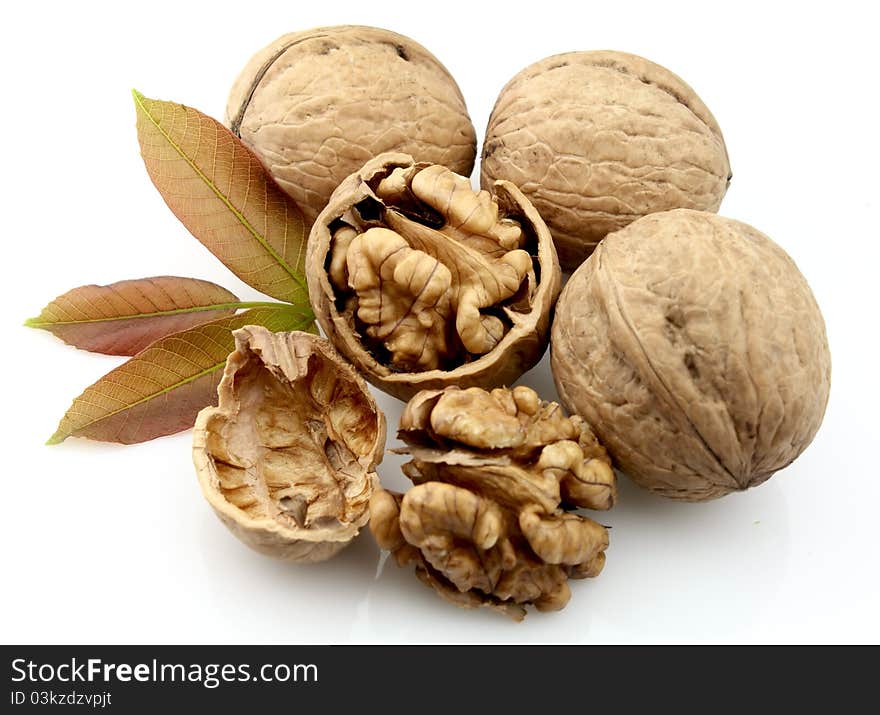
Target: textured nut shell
x=695, y=347
x=520, y=348
x=598, y=139
x=287, y=357
x=326, y=100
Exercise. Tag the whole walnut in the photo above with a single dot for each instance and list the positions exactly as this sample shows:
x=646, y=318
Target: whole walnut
x=422, y=282
x=598, y=139
x=287, y=458
x=695, y=347
x=314, y=106
x=488, y=522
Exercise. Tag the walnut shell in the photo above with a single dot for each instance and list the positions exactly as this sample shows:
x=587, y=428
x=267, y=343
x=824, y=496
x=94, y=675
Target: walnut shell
x=598, y=139
x=315, y=105
x=484, y=523
x=287, y=459
x=422, y=282
x=695, y=347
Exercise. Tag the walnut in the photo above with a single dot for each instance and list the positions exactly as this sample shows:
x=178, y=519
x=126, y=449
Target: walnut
x=598, y=139
x=422, y=282
x=315, y=105
x=485, y=524
x=287, y=459
x=695, y=346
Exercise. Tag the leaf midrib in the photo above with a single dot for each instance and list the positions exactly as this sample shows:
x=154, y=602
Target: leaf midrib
x=237, y=305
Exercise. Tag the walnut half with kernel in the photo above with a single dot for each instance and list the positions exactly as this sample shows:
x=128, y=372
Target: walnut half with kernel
x=486, y=523
x=287, y=459
x=423, y=282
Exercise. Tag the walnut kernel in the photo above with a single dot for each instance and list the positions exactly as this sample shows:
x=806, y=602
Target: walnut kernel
x=422, y=282
x=485, y=522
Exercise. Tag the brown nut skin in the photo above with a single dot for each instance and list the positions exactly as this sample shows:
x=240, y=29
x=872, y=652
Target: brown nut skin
x=521, y=346
x=315, y=105
x=287, y=459
x=484, y=524
x=598, y=139
x=696, y=348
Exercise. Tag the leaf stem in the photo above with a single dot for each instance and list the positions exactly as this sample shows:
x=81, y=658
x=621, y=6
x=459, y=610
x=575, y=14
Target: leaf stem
x=233, y=305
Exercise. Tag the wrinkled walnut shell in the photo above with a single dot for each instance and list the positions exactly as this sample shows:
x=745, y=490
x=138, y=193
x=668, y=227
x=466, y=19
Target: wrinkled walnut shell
x=598, y=139
x=511, y=332
x=695, y=346
x=484, y=523
x=287, y=459
x=315, y=105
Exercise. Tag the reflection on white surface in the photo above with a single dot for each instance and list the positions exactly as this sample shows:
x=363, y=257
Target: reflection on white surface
x=674, y=570
x=141, y=557
x=685, y=570
x=117, y=544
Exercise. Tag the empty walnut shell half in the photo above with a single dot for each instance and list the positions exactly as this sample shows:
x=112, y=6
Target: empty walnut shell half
x=287, y=459
x=423, y=282
x=485, y=523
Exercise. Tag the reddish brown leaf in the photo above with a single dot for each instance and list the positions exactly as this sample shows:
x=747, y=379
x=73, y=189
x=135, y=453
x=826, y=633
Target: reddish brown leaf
x=123, y=318
x=161, y=389
x=223, y=195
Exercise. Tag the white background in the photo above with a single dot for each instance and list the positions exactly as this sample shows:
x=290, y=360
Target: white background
x=114, y=544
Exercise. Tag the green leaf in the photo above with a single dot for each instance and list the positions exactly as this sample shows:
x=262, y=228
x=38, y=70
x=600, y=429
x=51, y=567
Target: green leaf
x=123, y=318
x=223, y=195
x=161, y=389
